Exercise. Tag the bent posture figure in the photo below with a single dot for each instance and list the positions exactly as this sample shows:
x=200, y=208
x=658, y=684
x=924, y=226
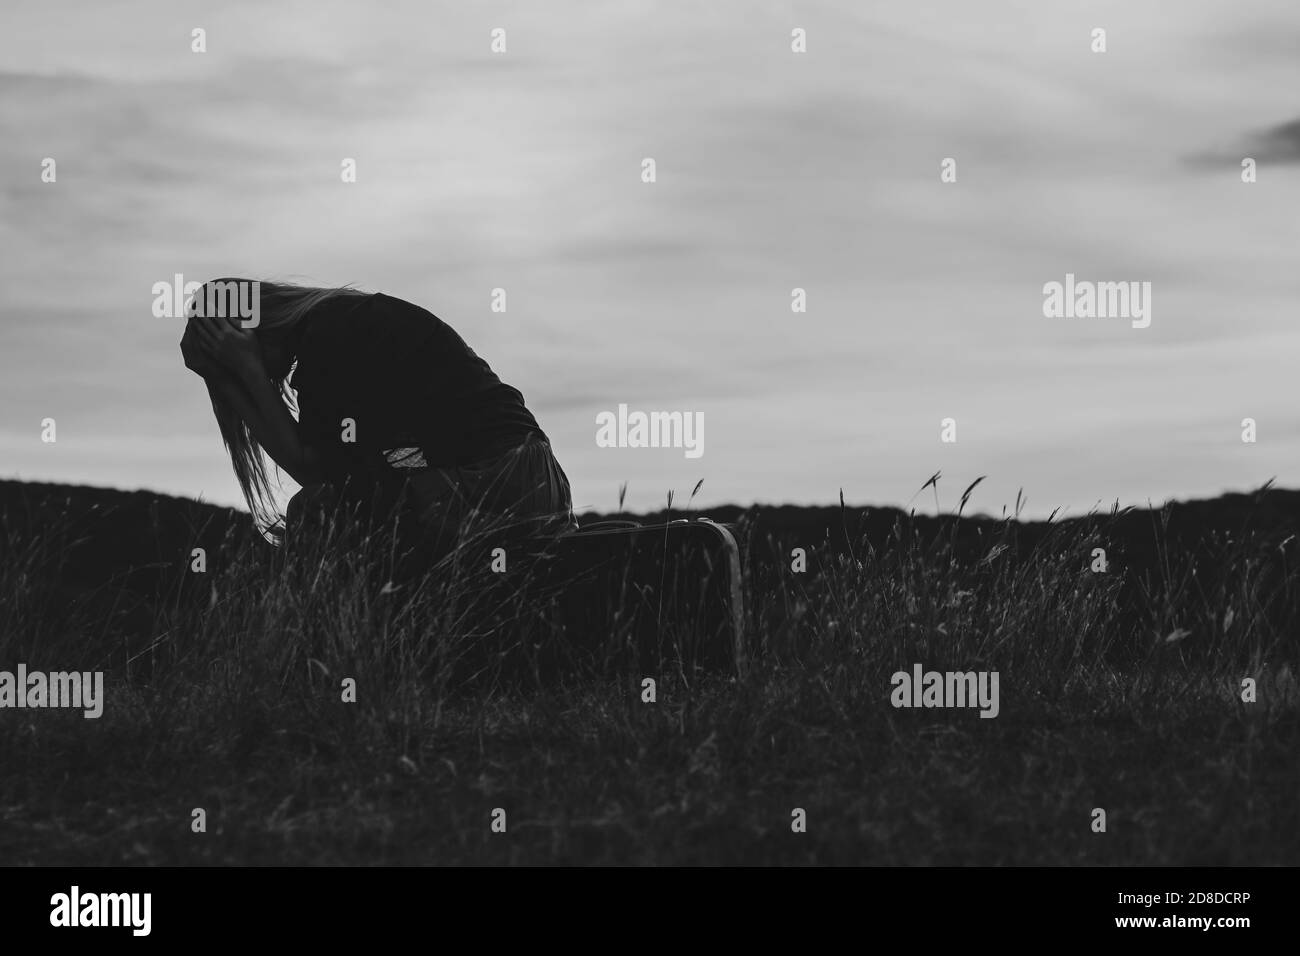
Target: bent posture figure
x=397, y=416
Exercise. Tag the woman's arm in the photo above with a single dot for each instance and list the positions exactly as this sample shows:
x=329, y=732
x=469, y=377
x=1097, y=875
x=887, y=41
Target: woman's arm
x=255, y=399
x=235, y=375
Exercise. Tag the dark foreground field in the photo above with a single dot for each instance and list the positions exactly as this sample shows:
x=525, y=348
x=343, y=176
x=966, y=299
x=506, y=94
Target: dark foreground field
x=1119, y=690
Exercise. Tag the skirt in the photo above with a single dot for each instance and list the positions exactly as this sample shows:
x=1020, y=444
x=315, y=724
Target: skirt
x=522, y=492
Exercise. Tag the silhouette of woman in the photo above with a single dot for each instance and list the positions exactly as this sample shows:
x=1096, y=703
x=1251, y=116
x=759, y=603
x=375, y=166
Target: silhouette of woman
x=396, y=415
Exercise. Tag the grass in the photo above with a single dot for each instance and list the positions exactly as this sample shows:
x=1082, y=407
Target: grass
x=1119, y=690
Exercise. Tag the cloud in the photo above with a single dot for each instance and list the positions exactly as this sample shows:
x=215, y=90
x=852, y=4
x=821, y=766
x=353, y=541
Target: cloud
x=1281, y=144
x=1277, y=145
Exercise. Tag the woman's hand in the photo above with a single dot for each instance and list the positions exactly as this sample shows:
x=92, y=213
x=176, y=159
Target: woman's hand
x=196, y=359
x=221, y=344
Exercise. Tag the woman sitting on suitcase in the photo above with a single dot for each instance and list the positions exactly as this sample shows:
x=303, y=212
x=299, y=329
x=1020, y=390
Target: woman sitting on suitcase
x=396, y=414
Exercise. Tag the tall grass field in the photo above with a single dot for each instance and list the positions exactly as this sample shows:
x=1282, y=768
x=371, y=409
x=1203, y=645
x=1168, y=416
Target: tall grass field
x=319, y=708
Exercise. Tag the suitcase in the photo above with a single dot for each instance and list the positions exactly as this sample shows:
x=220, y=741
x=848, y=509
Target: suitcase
x=655, y=599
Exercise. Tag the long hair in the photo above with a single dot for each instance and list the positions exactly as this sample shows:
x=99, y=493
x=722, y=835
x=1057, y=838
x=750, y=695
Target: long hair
x=282, y=307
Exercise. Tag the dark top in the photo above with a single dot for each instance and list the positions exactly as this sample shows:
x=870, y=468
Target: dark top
x=407, y=380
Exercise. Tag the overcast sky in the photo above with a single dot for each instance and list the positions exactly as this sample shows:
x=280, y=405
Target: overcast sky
x=775, y=170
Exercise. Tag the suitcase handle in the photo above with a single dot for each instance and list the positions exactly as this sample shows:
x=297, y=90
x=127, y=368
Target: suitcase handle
x=608, y=525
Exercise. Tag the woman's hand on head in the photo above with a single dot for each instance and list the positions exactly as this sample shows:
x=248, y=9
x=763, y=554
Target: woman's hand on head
x=225, y=346
x=196, y=359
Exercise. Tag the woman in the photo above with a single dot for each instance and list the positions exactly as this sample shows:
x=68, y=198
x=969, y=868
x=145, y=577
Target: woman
x=396, y=414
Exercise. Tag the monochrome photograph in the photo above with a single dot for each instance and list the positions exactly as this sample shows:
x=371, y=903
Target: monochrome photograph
x=646, y=434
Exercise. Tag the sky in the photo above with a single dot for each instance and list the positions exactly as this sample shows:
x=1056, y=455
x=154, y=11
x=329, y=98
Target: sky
x=774, y=170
